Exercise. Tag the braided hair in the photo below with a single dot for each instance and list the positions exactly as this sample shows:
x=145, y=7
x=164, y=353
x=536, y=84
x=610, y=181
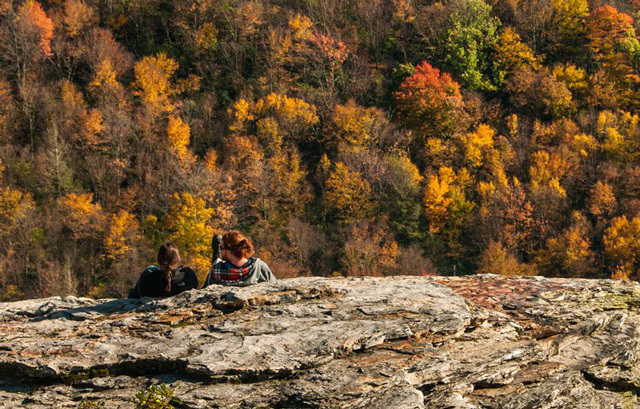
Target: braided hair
x=169, y=259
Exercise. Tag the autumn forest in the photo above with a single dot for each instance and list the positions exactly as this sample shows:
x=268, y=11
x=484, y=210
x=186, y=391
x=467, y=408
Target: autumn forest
x=345, y=137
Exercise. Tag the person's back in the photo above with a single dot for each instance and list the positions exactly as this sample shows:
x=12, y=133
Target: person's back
x=169, y=280
x=236, y=265
x=252, y=272
x=153, y=282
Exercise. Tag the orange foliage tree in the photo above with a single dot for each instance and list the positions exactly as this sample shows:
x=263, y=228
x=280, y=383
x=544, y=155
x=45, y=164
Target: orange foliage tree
x=612, y=38
x=34, y=20
x=429, y=101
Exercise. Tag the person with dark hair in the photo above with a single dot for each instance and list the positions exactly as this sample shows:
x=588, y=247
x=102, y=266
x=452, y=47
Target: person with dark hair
x=237, y=265
x=169, y=279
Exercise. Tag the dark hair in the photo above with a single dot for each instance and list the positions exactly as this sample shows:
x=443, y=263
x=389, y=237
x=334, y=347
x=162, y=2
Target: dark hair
x=169, y=259
x=238, y=244
x=216, y=247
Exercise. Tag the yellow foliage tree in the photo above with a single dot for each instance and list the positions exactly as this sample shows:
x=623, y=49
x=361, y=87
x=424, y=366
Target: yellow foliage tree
x=241, y=114
x=547, y=169
x=622, y=246
x=357, y=125
x=104, y=83
x=348, y=194
x=293, y=114
x=439, y=153
x=206, y=37
x=496, y=259
x=300, y=27
x=244, y=168
x=512, y=53
x=617, y=128
x=82, y=216
x=286, y=191
x=82, y=124
x=122, y=235
x=178, y=134
x=14, y=207
x=569, y=17
x=188, y=225
x=445, y=204
x=619, y=134
x=583, y=144
x=153, y=82
x=569, y=254
x=573, y=77
x=602, y=200
x=77, y=16
x=370, y=250
x=479, y=145
x=92, y=128
x=436, y=201
x=210, y=161
x=506, y=215
x=269, y=135
x=71, y=97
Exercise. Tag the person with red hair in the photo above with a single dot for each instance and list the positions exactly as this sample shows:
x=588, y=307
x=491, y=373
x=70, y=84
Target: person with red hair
x=237, y=265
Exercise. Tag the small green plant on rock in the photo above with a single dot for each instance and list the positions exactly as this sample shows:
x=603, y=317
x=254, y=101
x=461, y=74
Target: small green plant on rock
x=90, y=404
x=156, y=397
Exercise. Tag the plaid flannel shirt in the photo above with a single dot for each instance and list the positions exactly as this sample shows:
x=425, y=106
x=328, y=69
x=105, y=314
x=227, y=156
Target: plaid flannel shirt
x=229, y=273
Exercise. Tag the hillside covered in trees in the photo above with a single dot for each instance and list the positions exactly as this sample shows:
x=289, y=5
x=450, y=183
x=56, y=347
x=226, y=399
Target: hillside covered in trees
x=355, y=137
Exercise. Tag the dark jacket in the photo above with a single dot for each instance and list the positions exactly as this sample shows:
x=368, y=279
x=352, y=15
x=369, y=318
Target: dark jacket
x=252, y=272
x=152, y=282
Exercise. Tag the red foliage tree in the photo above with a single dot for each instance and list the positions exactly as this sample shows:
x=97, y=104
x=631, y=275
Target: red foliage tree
x=429, y=101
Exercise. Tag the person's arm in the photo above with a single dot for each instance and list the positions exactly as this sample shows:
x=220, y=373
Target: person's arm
x=209, y=280
x=135, y=291
x=266, y=274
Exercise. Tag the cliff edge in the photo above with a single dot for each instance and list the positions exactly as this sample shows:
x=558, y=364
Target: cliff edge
x=396, y=342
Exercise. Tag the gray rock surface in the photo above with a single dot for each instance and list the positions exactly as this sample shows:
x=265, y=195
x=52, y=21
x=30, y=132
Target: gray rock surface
x=396, y=342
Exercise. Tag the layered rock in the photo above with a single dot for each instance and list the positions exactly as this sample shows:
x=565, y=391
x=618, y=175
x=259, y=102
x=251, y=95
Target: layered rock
x=397, y=342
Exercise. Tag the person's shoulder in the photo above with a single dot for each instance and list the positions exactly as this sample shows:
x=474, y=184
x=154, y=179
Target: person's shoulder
x=264, y=272
x=187, y=270
x=149, y=271
x=257, y=261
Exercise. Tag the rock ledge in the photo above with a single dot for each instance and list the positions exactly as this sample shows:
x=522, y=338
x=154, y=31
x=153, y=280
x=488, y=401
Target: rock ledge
x=396, y=342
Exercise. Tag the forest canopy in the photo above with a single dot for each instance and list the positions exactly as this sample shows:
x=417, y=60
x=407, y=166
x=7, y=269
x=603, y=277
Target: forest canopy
x=346, y=137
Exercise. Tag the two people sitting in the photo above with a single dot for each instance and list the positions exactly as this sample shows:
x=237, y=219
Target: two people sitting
x=232, y=264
